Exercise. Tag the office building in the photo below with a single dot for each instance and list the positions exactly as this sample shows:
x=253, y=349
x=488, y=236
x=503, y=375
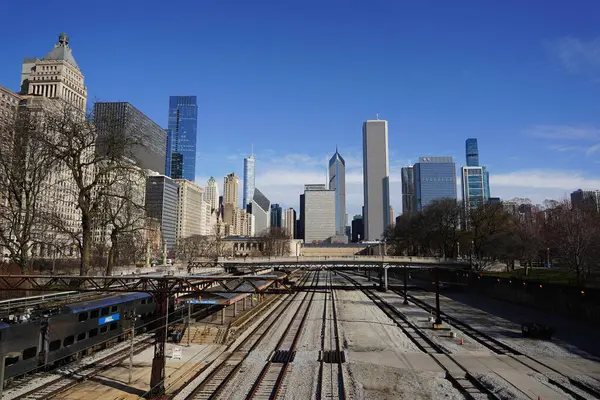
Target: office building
x=249, y=179
x=211, y=193
x=357, y=229
x=435, y=179
x=149, y=141
x=586, y=200
x=276, y=216
x=181, y=138
x=472, y=152
x=376, y=178
x=9, y=103
x=319, y=213
x=56, y=76
x=473, y=187
x=260, y=207
x=162, y=198
x=337, y=182
x=189, y=209
x=231, y=185
x=409, y=200
x=289, y=222
x=300, y=234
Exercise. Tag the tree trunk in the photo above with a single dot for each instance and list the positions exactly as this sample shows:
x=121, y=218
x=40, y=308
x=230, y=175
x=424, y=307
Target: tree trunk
x=86, y=245
x=111, y=254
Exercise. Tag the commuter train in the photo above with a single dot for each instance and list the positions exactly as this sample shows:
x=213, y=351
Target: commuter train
x=52, y=337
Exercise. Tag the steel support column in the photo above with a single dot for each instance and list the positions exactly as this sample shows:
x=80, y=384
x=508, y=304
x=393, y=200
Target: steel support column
x=405, y=285
x=157, y=378
x=385, y=279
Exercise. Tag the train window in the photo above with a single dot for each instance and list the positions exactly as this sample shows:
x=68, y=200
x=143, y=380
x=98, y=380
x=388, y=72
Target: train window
x=94, y=313
x=143, y=301
x=113, y=309
x=104, y=329
x=10, y=361
x=69, y=340
x=29, y=353
x=113, y=326
x=54, y=345
x=83, y=316
x=104, y=311
x=94, y=332
x=81, y=336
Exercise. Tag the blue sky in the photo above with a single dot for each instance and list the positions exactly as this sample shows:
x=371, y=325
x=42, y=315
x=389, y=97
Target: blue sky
x=295, y=78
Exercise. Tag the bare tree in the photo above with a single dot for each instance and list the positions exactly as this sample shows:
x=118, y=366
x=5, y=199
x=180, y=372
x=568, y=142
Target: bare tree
x=25, y=165
x=491, y=228
x=442, y=217
x=92, y=156
x=276, y=242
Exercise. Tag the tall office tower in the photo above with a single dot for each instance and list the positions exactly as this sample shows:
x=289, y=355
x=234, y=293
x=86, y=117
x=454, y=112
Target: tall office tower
x=472, y=181
x=376, y=178
x=231, y=184
x=189, y=208
x=409, y=201
x=249, y=180
x=357, y=229
x=211, y=193
x=56, y=76
x=586, y=200
x=319, y=213
x=162, y=198
x=301, y=218
x=337, y=182
x=260, y=208
x=181, y=138
x=121, y=118
x=435, y=179
x=472, y=152
x=276, y=216
x=289, y=222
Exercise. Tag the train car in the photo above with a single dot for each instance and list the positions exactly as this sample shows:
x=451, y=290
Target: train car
x=85, y=327
x=19, y=347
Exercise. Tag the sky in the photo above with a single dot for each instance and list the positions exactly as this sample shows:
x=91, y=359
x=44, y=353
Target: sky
x=295, y=79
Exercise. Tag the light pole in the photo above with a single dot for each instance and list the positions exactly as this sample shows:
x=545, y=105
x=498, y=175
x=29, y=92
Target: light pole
x=133, y=319
x=189, y=327
x=548, y=257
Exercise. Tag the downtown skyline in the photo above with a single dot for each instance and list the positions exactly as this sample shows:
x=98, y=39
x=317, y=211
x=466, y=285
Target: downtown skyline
x=294, y=140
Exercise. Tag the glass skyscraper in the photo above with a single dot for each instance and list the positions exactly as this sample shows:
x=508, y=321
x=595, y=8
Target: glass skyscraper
x=473, y=186
x=181, y=138
x=472, y=153
x=409, y=201
x=435, y=179
x=337, y=182
x=249, y=180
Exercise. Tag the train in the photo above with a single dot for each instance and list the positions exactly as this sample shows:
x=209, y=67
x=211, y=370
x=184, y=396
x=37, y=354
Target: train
x=47, y=337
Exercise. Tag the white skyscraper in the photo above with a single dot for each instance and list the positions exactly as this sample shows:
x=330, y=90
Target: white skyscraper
x=319, y=210
x=211, y=193
x=231, y=184
x=249, y=181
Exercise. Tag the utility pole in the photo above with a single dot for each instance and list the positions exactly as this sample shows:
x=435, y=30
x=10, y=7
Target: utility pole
x=189, y=324
x=133, y=318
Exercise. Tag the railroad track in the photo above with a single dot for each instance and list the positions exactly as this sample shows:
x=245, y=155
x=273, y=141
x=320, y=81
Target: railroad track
x=271, y=380
x=74, y=373
x=330, y=383
x=501, y=348
x=215, y=382
x=458, y=375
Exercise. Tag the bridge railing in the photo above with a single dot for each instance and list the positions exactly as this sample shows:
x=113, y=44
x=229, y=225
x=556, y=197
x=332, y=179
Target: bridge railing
x=358, y=258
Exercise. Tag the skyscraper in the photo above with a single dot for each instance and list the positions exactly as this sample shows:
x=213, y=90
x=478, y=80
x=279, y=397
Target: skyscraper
x=337, y=182
x=289, y=222
x=376, y=178
x=161, y=204
x=276, y=216
x=150, y=141
x=249, y=182
x=260, y=208
x=181, y=138
x=319, y=213
x=211, y=193
x=473, y=187
x=409, y=201
x=231, y=184
x=435, y=179
x=472, y=152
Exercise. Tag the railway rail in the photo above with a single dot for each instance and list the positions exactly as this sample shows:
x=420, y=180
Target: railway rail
x=214, y=383
x=500, y=348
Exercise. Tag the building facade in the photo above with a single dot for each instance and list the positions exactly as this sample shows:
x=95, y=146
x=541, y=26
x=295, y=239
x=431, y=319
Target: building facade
x=473, y=187
x=211, y=193
x=319, y=213
x=392, y=218
x=376, y=178
x=586, y=200
x=472, y=152
x=357, y=229
x=276, y=216
x=435, y=179
x=9, y=103
x=149, y=140
x=260, y=208
x=231, y=185
x=300, y=229
x=249, y=180
x=409, y=200
x=189, y=209
x=337, y=182
x=181, y=138
x=289, y=222
x=162, y=198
